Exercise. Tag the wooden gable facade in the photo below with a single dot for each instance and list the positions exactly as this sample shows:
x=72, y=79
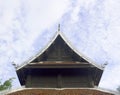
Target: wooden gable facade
x=60, y=66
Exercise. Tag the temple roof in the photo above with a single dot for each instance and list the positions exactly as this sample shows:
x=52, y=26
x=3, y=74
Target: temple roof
x=61, y=34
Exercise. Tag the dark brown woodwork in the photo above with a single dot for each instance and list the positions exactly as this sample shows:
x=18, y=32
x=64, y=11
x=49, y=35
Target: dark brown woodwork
x=59, y=51
x=60, y=67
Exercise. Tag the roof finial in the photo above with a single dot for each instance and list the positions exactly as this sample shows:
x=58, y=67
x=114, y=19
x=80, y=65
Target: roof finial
x=58, y=27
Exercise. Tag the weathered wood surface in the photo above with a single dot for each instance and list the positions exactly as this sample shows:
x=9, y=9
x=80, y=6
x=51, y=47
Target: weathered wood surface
x=59, y=92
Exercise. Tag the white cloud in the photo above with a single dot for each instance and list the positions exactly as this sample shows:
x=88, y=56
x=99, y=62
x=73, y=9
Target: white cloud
x=111, y=77
x=21, y=22
x=97, y=22
x=41, y=15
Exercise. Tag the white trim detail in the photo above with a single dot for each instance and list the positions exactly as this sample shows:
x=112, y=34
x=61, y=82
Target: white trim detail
x=69, y=44
x=95, y=88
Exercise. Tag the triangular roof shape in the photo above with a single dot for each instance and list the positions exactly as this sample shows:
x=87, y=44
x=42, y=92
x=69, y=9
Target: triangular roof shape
x=58, y=33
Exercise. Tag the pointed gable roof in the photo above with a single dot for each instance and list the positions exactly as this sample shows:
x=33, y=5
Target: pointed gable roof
x=58, y=33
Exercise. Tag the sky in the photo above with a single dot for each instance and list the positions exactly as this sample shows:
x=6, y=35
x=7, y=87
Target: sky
x=92, y=26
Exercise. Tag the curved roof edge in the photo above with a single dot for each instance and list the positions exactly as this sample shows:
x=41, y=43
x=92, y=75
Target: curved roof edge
x=95, y=88
x=69, y=44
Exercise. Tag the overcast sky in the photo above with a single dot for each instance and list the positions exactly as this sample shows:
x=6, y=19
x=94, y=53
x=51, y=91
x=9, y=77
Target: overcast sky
x=92, y=26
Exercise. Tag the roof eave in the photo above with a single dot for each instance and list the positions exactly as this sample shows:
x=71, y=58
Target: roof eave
x=68, y=43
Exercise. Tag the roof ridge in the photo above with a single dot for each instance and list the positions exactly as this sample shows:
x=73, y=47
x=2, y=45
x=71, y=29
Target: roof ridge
x=57, y=33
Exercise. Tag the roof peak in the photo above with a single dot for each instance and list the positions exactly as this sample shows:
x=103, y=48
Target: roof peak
x=61, y=34
x=59, y=27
